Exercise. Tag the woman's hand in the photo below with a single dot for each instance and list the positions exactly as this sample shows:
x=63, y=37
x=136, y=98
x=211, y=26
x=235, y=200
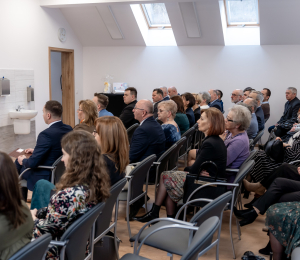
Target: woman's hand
x=33, y=214
x=204, y=173
x=293, y=129
x=278, y=138
x=285, y=145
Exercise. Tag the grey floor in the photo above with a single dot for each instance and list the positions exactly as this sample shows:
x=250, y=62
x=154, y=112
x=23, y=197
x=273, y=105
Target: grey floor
x=9, y=141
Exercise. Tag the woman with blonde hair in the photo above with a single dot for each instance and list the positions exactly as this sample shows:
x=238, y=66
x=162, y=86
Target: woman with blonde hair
x=112, y=137
x=196, y=107
x=87, y=114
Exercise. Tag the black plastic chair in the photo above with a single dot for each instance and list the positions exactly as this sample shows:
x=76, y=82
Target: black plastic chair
x=131, y=130
x=34, y=250
x=173, y=162
x=185, y=149
x=256, y=139
x=74, y=240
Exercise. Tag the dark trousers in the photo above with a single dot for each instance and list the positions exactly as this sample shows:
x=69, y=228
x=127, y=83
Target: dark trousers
x=286, y=171
x=281, y=190
x=20, y=169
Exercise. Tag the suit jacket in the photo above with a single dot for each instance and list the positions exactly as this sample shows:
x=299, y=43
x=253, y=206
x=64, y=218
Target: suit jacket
x=290, y=111
x=266, y=108
x=166, y=98
x=46, y=152
x=127, y=116
x=253, y=128
x=197, y=114
x=190, y=115
x=148, y=139
x=156, y=109
x=260, y=118
x=217, y=104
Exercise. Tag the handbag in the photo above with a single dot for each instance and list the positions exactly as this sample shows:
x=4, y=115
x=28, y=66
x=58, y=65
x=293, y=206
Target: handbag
x=193, y=181
x=274, y=148
x=105, y=247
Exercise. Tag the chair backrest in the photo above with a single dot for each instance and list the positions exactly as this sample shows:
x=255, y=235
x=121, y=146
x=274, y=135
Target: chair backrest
x=175, y=153
x=213, y=208
x=250, y=157
x=189, y=136
x=34, y=250
x=257, y=137
x=131, y=130
x=103, y=221
x=202, y=238
x=164, y=160
x=59, y=171
x=139, y=174
x=78, y=233
x=296, y=254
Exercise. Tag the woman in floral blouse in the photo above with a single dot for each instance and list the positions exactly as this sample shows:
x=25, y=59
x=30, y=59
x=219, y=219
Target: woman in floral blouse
x=84, y=184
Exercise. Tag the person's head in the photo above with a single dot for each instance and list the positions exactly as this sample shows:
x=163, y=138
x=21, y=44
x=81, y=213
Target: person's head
x=197, y=99
x=10, y=193
x=157, y=95
x=258, y=96
x=84, y=165
x=188, y=100
x=101, y=101
x=172, y=92
x=112, y=137
x=205, y=98
x=143, y=109
x=211, y=122
x=52, y=111
x=130, y=95
x=213, y=95
x=238, y=119
x=290, y=93
x=180, y=106
x=246, y=92
x=164, y=90
x=167, y=110
x=252, y=103
x=236, y=96
x=219, y=94
x=87, y=112
x=266, y=93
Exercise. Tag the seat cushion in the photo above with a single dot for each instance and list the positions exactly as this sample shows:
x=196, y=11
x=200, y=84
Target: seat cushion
x=133, y=257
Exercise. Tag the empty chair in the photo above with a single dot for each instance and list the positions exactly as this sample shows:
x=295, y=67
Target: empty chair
x=131, y=130
x=34, y=250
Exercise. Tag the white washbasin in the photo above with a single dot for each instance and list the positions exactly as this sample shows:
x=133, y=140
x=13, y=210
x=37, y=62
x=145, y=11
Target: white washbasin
x=22, y=114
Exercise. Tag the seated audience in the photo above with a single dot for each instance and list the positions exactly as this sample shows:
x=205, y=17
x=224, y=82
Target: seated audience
x=157, y=96
x=127, y=116
x=289, y=116
x=258, y=96
x=237, y=96
x=196, y=107
x=265, y=104
x=47, y=149
x=112, y=137
x=205, y=100
x=87, y=114
x=15, y=219
x=101, y=102
x=247, y=92
x=214, y=101
x=84, y=184
x=166, y=114
x=172, y=92
x=181, y=118
x=293, y=130
x=253, y=128
x=188, y=102
x=220, y=95
x=170, y=189
x=165, y=91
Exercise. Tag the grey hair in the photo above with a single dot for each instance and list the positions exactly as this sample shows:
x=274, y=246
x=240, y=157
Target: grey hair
x=241, y=116
x=253, y=103
x=246, y=105
x=170, y=106
x=294, y=90
x=259, y=96
x=164, y=89
x=206, y=96
x=148, y=106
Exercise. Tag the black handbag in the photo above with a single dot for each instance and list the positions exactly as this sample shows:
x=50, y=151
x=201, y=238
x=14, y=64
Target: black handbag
x=105, y=247
x=193, y=181
x=274, y=148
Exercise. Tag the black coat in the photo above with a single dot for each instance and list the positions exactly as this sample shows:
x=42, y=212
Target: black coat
x=127, y=116
x=217, y=104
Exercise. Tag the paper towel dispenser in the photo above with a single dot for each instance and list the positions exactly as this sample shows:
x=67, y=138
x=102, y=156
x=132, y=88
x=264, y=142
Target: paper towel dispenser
x=30, y=94
x=4, y=87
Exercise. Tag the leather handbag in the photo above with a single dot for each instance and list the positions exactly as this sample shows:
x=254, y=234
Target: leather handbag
x=194, y=181
x=105, y=247
x=274, y=148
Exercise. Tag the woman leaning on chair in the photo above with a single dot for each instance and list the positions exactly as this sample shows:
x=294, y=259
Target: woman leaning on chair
x=170, y=189
x=181, y=118
x=15, y=219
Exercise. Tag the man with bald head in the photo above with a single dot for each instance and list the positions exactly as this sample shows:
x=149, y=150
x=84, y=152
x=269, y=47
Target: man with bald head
x=172, y=92
x=214, y=101
x=237, y=96
x=165, y=91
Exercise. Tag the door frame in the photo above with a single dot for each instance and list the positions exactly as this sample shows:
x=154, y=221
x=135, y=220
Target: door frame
x=68, y=83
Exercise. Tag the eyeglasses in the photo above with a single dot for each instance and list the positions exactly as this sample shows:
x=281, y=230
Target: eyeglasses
x=138, y=108
x=230, y=120
x=160, y=110
x=94, y=132
x=78, y=109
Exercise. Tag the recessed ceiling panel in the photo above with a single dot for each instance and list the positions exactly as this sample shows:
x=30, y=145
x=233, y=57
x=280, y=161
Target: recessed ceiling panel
x=190, y=19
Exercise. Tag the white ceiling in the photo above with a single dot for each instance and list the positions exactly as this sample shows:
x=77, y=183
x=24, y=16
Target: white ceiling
x=279, y=20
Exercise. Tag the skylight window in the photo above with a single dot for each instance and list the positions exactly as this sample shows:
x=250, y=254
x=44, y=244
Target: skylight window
x=156, y=15
x=242, y=12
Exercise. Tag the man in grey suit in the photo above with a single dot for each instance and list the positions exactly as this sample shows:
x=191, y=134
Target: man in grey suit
x=253, y=128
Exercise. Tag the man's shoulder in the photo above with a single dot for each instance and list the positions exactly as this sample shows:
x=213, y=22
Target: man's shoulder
x=57, y=127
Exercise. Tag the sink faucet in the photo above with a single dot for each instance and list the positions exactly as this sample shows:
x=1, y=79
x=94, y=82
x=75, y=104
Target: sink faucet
x=19, y=108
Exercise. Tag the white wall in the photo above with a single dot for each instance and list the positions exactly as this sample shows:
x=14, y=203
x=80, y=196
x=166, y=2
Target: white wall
x=27, y=31
x=56, y=92
x=196, y=69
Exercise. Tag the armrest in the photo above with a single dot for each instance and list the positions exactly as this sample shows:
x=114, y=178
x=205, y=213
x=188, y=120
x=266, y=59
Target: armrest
x=46, y=167
x=23, y=173
x=133, y=164
x=293, y=162
x=231, y=170
x=58, y=243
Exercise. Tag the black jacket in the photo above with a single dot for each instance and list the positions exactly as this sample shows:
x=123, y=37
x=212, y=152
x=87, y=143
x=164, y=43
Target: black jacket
x=127, y=116
x=260, y=118
x=217, y=104
x=290, y=112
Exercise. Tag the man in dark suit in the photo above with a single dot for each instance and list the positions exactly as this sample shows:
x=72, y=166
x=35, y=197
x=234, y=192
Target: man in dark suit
x=127, y=116
x=165, y=95
x=258, y=96
x=289, y=116
x=265, y=104
x=214, y=101
x=47, y=149
x=157, y=97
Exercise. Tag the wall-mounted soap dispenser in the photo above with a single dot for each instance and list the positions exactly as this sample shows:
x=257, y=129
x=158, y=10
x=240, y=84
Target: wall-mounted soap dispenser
x=4, y=87
x=30, y=94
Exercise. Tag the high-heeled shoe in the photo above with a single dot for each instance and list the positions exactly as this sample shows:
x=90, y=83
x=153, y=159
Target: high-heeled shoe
x=150, y=215
x=266, y=250
x=239, y=213
x=248, y=217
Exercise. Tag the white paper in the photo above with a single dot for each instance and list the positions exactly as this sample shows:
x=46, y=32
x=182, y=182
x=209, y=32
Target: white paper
x=20, y=150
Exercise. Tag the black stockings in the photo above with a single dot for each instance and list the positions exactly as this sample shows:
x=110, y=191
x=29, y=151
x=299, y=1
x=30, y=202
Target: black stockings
x=277, y=248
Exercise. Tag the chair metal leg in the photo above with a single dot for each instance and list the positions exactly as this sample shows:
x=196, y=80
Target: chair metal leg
x=170, y=255
x=230, y=229
x=238, y=228
x=128, y=224
x=115, y=229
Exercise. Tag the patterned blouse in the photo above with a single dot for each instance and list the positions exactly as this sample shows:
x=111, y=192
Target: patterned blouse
x=64, y=208
x=172, y=134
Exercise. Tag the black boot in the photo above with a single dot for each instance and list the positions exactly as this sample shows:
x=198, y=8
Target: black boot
x=266, y=250
x=152, y=214
x=248, y=217
x=249, y=205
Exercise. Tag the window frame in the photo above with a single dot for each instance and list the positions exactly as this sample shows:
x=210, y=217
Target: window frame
x=149, y=24
x=244, y=25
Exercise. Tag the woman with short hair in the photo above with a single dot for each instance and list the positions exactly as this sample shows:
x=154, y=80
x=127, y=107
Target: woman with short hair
x=181, y=118
x=204, y=100
x=170, y=189
x=166, y=113
x=188, y=102
x=196, y=107
x=87, y=114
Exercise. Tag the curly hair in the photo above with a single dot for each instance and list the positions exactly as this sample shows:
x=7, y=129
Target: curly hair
x=86, y=166
x=90, y=110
